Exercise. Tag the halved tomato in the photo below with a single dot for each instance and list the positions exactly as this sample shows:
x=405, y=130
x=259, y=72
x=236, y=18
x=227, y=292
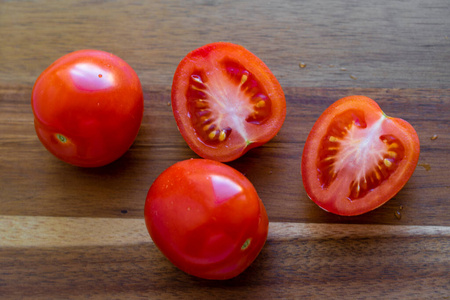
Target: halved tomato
x=356, y=158
x=226, y=101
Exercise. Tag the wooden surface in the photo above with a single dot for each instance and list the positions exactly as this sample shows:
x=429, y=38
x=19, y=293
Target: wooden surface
x=68, y=232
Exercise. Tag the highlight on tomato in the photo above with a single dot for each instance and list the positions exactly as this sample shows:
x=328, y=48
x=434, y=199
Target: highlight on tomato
x=356, y=158
x=226, y=101
x=206, y=218
x=88, y=107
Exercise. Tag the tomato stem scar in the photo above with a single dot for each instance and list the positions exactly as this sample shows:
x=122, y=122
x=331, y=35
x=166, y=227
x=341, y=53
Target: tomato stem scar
x=246, y=244
x=62, y=138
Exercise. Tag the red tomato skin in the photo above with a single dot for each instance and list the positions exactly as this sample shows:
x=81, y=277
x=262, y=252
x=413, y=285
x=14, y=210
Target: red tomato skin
x=88, y=107
x=258, y=135
x=200, y=213
x=329, y=201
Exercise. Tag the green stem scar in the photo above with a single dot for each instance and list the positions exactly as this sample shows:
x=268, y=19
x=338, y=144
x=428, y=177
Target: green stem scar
x=246, y=244
x=62, y=138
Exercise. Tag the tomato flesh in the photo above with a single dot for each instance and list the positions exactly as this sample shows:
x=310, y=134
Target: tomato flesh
x=206, y=218
x=356, y=158
x=226, y=101
x=209, y=105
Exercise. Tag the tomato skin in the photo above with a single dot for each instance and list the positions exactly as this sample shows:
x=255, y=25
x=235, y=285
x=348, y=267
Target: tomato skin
x=206, y=218
x=231, y=79
x=356, y=158
x=88, y=107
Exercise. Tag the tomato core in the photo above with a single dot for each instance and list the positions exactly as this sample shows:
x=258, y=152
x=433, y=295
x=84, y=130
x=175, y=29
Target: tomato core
x=350, y=146
x=217, y=112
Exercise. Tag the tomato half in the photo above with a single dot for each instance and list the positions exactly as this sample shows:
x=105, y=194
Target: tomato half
x=226, y=101
x=206, y=218
x=88, y=106
x=356, y=158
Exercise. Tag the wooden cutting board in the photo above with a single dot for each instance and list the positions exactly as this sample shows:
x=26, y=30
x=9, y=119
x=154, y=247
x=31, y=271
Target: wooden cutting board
x=68, y=232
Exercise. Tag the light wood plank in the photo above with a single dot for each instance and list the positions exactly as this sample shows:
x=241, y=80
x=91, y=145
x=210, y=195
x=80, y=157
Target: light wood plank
x=26, y=231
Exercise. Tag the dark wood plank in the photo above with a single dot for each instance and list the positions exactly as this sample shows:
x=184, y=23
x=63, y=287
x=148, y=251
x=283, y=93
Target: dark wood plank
x=384, y=44
x=36, y=183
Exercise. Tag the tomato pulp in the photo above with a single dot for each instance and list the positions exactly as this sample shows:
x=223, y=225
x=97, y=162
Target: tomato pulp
x=206, y=218
x=356, y=158
x=88, y=107
x=226, y=101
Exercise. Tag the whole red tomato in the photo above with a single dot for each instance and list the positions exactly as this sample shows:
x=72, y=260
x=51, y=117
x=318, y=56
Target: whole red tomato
x=88, y=106
x=226, y=101
x=206, y=218
x=356, y=158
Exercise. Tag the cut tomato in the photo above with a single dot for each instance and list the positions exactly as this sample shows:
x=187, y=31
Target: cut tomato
x=226, y=101
x=356, y=158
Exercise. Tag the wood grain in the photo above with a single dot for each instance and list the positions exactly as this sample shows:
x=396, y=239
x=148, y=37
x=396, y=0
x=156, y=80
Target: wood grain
x=384, y=44
x=69, y=233
x=308, y=260
x=41, y=232
x=37, y=183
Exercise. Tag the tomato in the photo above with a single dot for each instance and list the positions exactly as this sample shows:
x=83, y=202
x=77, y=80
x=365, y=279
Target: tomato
x=206, y=218
x=88, y=106
x=226, y=101
x=356, y=158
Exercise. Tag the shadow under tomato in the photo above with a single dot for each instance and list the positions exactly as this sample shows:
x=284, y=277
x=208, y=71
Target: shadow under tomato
x=106, y=191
